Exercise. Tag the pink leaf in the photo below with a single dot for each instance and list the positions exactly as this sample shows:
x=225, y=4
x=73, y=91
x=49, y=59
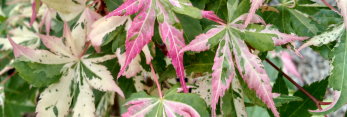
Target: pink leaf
x=55, y=44
x=255, y=19
x=174, y=41
x=139, y=107
x=212, y=16
x=142, y=106
x=254, y=74
x=172, y=108
x=254, y=6
x=36, y=4
x=282, y=38
x=39, y=56
x=47, y=20
x=223, y=72
x=139, y=34
x=201, y=42
x=288, y=64
x=129, y=7
x=342, y=4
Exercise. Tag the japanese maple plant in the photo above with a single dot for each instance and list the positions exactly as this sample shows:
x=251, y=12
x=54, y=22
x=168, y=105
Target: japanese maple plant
x=190, y=58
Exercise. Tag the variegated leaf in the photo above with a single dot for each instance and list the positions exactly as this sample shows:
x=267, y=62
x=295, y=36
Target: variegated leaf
x=325, y=37
x=254, y=6
x=254, y=74
x=223, y=71
x=67, y=9
x=204, y=41
x=102, y=27
x=174, y=41
x=337, y=79
x=139, y=34
x=56, y=99
x=141, y=105
x=129, y=7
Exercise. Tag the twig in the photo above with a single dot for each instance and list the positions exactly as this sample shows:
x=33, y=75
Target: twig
x=8, y=77
x=331, y=7
x=315, y=100
x=155, y=78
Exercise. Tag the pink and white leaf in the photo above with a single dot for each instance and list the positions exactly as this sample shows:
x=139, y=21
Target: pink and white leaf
x=342, y=5
x=210, y=15
x=34, y=8
x=288, y=64
x=173, y=108
x=140, y=107
x=55, y=44
x=39, y=56
x=255, y=19
x=282, y=38
x=254, y=6
x=133, y=68
x=47, y=20
x=223, y=72
x=201, y=42
x=139, y=34
x=254, y=74
x=129, y=7
x=102, y=27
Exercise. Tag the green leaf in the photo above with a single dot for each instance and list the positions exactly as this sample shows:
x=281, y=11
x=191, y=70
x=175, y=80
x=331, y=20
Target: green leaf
x=338, y=78
x=233, y=101
x=300, y=108
x=284, y=99
x=280, y=85
x=39, y=75
x=191, y=27
x=259, y=41
x=232, y=6
x=112, y=4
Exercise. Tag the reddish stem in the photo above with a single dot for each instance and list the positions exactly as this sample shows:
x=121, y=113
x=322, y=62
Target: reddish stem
x=8, y=77
x=315, y=100
x=331, y=7
x=155, y=78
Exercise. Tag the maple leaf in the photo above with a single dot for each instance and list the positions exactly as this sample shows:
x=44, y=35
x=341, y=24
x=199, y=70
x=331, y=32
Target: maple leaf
x=141, y=30
x=79, y=72
x=233, y=51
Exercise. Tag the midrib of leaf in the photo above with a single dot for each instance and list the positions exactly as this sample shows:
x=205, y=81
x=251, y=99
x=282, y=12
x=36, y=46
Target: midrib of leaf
x=299, y=16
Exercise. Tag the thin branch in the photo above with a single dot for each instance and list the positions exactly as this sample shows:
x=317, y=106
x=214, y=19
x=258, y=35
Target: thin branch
x=7, y=78
x=155, y=78
x=315, y=100
x=331, y=7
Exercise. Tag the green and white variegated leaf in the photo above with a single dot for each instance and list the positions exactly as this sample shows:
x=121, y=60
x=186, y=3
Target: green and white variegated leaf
x=237, y=106
x=106, y=101
x=21, y=35
x=338, y=77
x=102, y=27
x=171, y=105
x=134, y=66
x=84, y=106
x=56, y=99
x=325, y=37
x=252, y=71
x=67, y=9
x=80, y=74
x=184, y=7
x=223, y=71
